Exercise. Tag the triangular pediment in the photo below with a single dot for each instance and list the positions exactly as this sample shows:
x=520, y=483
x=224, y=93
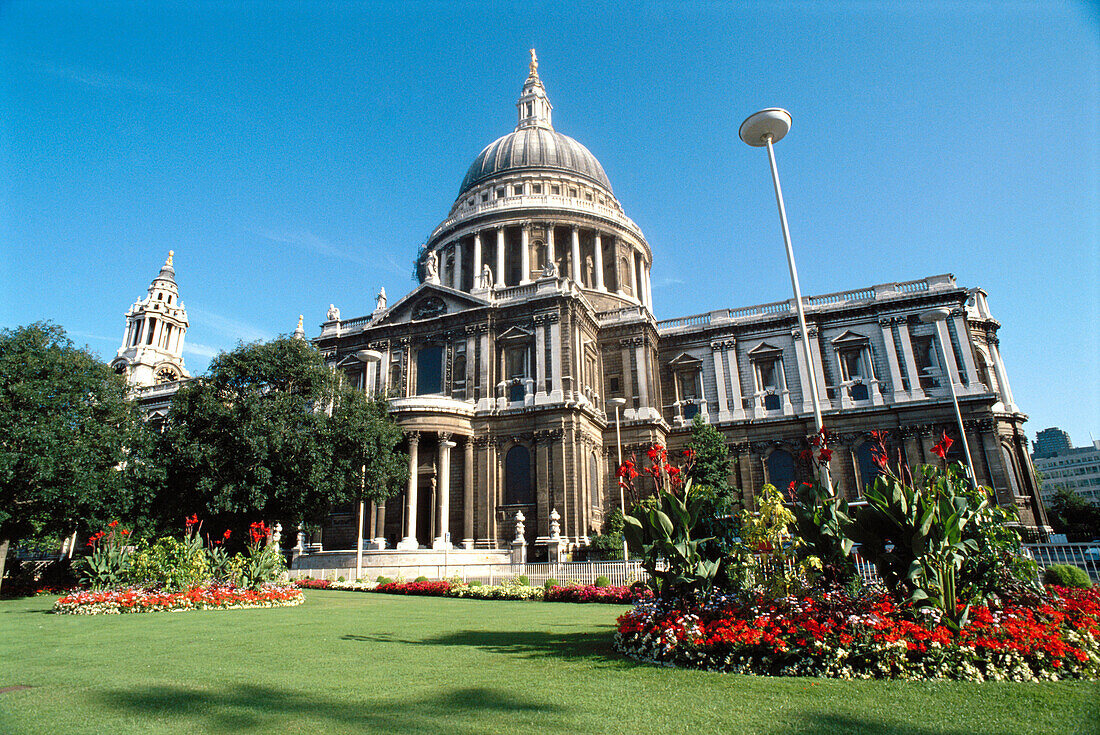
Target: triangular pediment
x=514, y=332
x=684, y=360
x=428, y=301
x=850, y=337
x=764, y=348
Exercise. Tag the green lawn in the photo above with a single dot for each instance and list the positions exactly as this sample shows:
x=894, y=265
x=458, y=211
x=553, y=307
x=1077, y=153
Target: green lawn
x=347, y=662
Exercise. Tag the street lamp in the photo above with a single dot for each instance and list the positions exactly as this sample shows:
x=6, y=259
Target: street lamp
x=763, y=129
x=367, y=357
x=619, y=403
x=938, y=317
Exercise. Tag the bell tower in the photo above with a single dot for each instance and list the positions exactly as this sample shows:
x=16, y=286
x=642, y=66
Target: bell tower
x=152, y=346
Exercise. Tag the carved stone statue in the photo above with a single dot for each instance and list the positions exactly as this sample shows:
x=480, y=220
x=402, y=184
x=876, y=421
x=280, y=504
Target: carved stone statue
x=550, y=270
x=381, y=300
x=333, y=314
x=431, y=268
x=589, y=268
x=485, y=280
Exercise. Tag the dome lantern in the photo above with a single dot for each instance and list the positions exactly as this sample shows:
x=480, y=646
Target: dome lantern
x=533, y=105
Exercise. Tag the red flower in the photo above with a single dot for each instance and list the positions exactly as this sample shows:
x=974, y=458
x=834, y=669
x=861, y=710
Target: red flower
x=942, y=446
x=125, y=532
x=112, y=524
x=192, y=520
x=225, y=535
x=824, y=455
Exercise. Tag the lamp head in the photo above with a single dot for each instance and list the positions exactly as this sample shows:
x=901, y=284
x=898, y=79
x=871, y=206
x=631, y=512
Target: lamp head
x=774, y=122
x=368, y=356
x=616, y=402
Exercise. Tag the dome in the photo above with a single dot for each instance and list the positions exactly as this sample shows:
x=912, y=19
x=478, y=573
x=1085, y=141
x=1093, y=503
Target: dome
x=534, y=148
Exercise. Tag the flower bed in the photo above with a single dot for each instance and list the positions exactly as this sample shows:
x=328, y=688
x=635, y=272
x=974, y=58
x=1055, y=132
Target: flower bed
x=589, y=593
x=116, y=602
x=506, y=591
x=866, y=637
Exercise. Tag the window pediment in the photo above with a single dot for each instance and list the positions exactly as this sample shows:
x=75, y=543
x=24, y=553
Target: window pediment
x=685, y=363
x=850, y=338
x=763, y=350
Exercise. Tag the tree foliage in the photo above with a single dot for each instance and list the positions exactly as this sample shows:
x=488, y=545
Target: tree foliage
x=271, y=432
x=70, y=441
x=1073, y=515
x=711, y=463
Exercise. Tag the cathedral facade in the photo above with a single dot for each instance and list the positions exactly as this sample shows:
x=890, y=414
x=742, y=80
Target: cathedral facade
x=534, y=310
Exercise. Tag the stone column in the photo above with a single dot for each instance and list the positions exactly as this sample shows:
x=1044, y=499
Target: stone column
x=737, y=407
x=551, y=252
x=487, y=393
x=468, y=494
x=948, y=351
x=475, y=266
x=1002, y=375
x=525, y=253
x=501, y=276
x=540, y=359
x=720, y=381
x=643, y=379
x=458, y=266
x=892, y=358
x=963, y=333
x=819, y=369
x=649, y=286
x=598, y=247
x=803, y=374
x=380, y=525
x=627, y=382
x=410, y=542
x=915, y=391
x=634, y=274
x=576, y=256
x=556, y=393
x=443, y=514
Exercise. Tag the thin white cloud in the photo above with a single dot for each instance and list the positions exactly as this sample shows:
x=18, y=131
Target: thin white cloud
x=225, y=325
x=306, y=240
x=669, y=281
x=194, y=348
x=97, y=337
x=99, y=79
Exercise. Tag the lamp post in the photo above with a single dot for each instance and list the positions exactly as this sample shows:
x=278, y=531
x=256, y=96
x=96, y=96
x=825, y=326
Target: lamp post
x=619, y=403
x=367, y=357
x=762, y=129
x=938, y=317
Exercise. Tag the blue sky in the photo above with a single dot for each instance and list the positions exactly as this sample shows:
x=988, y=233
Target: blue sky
x=295, y=154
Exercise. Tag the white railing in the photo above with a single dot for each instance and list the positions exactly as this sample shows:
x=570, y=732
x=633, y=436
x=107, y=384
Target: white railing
x=579, y=572
x=1085, y=556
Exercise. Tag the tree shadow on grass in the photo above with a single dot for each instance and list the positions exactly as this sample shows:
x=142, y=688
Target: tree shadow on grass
x=595, y=647
x=823, y=723
x=244, y=706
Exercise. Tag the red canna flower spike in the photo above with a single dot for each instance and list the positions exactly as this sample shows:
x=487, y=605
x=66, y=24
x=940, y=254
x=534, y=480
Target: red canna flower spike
x=112, y=524
x=125, y=532
x=824, y=455
x=941, y=448
x=226, y=534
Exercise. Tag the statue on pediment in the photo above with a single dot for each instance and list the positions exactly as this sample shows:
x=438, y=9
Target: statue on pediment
x=333, y=314
x=381, y=305
x=431, y=268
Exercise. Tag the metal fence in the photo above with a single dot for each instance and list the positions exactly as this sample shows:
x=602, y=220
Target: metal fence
x=579, y=572
x=1085, y=556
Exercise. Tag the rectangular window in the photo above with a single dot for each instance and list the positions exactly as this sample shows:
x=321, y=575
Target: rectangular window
x=484, y=196
x=555, y=189
x=924, y=353
x=517, y=189
x=572, y=192
x=536, y=188
x=500, y=193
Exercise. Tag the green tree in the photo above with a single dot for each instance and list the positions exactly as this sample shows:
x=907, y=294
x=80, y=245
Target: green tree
x=711, y=463
x=272, y=433
x=70, y=440
x=1073, y=515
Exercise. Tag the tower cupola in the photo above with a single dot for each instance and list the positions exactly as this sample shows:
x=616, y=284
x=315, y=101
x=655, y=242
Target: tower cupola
x=534, y=106
x=152, y=346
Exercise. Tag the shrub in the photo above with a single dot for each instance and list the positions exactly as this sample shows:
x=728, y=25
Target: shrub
x=170, y=564
x=340, y=578
x=602, y=581
x=383, y=580
x=473, y=583
x=522, y=580
x=1067, y=575
x=550, y=583
x=497, y=592
x=421, y=578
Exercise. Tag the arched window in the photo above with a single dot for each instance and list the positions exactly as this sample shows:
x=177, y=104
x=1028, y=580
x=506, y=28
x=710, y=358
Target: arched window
x=429, y=370
x=517, y=477
x=868, y=470
x=1010, y=470
x=780, y=464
